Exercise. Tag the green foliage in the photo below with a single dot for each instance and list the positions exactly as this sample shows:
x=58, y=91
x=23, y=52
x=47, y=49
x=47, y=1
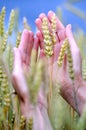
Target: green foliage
x=25, y=24
x=18, y=39
x=11, y=22
x=2, y=17
x=70, y=64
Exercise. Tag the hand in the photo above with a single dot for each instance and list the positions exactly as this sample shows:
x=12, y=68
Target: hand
x=60, y=36
x=59, y=27
x=74, y=93
x=22, y=56
x=67, y=86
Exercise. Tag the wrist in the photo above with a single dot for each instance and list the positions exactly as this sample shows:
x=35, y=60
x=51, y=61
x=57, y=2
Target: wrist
x=81, y=96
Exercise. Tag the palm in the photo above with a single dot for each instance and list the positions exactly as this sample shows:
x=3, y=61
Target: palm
x=25, y=47
x=60, y=36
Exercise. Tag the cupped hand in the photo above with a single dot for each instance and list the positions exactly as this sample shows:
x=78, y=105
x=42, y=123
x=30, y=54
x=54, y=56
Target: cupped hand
x=67, y=86
x=22, y=57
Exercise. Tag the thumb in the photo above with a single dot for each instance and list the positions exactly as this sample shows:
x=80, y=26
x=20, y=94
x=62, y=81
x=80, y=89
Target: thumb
x=70, y=37
x=17, y=58
x=68, y=30
x=76, y=56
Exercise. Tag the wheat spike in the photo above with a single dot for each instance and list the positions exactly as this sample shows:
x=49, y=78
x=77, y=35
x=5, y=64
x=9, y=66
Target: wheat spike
x=84, y=69
x=62, y=52
x=30, y=124
x=22, y=122
x=48, y=46
x=53, y=27
x=18, y=39
x=11, y=22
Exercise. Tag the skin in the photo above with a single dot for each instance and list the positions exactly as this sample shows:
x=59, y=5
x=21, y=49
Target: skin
x=22, y=56
x=72, y=92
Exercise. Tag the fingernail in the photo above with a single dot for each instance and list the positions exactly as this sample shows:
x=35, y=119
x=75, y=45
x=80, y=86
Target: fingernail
x=69, y=26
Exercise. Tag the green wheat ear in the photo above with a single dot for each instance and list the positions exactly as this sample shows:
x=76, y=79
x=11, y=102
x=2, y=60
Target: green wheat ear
x=34, y=78
x=25, y=24
x=56, y=90
x=11, y=22
x=22, y=122
x=1, y=77
x=4, y=41
x=53, y=27
x=2, y=17
x=70, y=63
x=62, y=52
x=1, y=73
x=65, y=47
x=9, y=57
x=0, y=24
x=18, y=39
x=37, y=81
x=12, y=118
x=30, y=124
x=84, y=69
x=48, y=47
x=5, y=90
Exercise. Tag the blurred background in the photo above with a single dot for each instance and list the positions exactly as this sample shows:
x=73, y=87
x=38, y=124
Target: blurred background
x=69, y=11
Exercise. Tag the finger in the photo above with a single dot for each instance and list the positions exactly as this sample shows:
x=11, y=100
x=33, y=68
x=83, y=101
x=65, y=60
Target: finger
x=36, y=46
x=42, y=54
x=61, y=35
x=30, y=42
x=60, y=30
x=18, y=77
x=17, y=60
x=50, y=18
x=42, y=15
x=24, y=40
x=56, y=51
x=29, y=46
x=59, y=25
x=36, y=43
x=39, y=32
x=38, y=23
x=24, y=45
x=40, y=37
x=70, y=37
x=76, y=56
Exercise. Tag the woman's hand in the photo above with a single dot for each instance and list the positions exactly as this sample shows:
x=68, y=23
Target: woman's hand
x=68, y=88
x=73, y=92
x=60, y=37
x=22, y=56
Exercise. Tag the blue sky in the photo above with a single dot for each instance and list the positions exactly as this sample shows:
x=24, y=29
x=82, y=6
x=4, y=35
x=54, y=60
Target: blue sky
x=32, y=8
